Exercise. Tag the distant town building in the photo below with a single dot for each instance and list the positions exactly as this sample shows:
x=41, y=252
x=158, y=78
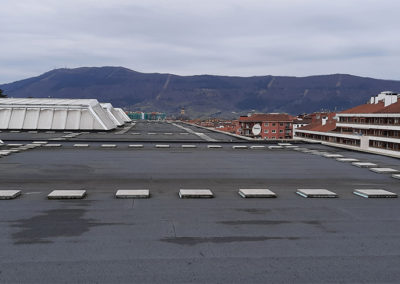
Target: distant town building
x=372, y=127
x=138, y=115
x=266, y=126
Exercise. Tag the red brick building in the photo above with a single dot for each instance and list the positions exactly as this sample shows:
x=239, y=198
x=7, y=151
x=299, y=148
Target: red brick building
x=266, y=126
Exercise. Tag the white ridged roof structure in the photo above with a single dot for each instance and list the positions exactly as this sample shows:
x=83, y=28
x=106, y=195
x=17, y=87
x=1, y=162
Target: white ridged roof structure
x=123, y=115
x=54, y=114
x=113, y=113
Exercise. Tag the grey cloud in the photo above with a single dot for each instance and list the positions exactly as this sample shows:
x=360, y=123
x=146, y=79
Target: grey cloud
x=227, y=37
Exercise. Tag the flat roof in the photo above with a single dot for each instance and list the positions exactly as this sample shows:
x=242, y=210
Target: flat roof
x=167, y=239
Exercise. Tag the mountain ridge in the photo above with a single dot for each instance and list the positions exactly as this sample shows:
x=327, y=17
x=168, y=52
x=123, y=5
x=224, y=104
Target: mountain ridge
x=202, y=95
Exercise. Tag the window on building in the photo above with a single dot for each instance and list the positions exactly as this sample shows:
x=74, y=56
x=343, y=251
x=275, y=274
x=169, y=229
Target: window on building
x=273, y=131
x=280, y=137
x=273, y=137
x=266, y=124
x=281, y=124
x=281, y=131
x=273, y=124
x=266, y=131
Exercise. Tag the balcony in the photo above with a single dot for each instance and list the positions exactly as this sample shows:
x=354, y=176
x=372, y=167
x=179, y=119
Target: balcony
x=368, y=126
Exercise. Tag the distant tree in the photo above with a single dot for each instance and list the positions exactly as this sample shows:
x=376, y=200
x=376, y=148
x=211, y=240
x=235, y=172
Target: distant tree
x=2, y=95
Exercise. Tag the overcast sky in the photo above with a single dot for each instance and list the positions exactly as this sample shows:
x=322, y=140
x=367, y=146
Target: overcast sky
x=223, y=37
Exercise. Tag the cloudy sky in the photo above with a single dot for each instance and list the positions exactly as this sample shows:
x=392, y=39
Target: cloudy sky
x=224, y=37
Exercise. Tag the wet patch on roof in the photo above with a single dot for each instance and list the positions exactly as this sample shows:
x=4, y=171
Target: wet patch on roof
x=254, y=210
x=54, y=223
x=191, y=241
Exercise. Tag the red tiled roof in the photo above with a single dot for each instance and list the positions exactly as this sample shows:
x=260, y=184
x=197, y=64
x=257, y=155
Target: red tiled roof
x=393, y=108
x=266, y=117
x=303, y=121
x=366, y=108
x=329, y=126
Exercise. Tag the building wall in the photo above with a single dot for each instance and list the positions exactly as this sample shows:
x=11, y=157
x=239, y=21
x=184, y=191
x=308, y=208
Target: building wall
x=269, y=129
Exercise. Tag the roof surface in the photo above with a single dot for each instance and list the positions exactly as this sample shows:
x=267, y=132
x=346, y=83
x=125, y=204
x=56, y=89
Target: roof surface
x=164, y=239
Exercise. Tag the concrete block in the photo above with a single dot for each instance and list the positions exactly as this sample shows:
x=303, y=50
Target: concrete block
x=275, y=147
x=347, y=160
x=292, y=147
x=5, y=152
x=256, y=193
x=195, y=193
x=184, y=133
x=67, y=194
x=15, y=131
x=333, y=156
x=135, y=146
x=374, y=193
x=284, y=144
x=108, y=146
x=33, y=145
x=81, y=145
x=189, y=146
x=168, y=133
x=23, y=148
x=151, y=133
x=52, y=145
x=14, y=145
x=316, y=193
x=320, y=153
x=384, y=170
x=9, y=194
x=39, y=142
x=239, y=147
x=257, y=147
x=162, y=146
x=397, y=176
x=135, y=133
x=364, y=164
x=214, y=146
x=132, y=193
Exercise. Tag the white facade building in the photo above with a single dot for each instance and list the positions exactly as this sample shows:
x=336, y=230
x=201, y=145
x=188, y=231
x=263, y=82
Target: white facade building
x=373, y=127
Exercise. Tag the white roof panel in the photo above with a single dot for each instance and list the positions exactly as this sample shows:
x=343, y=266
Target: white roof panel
x=56, y=114
x=5, y=115
x=31, y=118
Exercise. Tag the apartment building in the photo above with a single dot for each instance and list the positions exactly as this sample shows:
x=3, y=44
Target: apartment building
x=372, y=127
x=266, y=126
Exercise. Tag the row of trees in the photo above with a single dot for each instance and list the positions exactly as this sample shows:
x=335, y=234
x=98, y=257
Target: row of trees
x=2, y=95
